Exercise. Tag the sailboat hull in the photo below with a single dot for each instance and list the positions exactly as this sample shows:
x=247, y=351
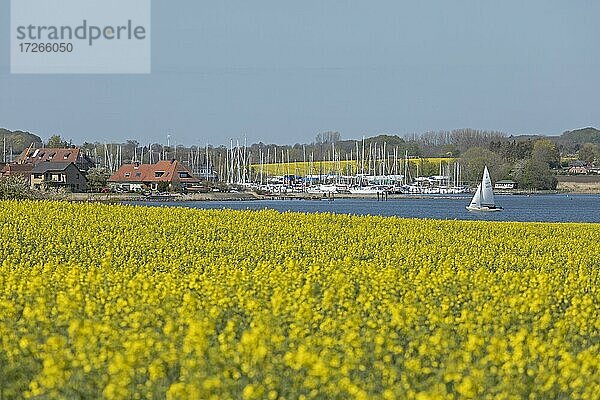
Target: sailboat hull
x=483, y=208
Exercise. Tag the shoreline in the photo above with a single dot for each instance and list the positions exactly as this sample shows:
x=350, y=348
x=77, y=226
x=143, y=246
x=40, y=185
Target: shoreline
x=252, y=196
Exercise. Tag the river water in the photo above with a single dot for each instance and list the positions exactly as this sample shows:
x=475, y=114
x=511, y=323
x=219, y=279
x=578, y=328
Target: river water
x=543, y=208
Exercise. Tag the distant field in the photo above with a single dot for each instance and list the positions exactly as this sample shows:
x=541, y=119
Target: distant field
x=579, y=183
x=346, y=167
x=121, y=302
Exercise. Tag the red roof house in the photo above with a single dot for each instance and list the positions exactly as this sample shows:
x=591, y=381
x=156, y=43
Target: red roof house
x=138, y=176
x=17, y=169
x=68, y=155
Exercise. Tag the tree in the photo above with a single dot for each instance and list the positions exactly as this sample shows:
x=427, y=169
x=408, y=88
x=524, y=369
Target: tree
x=476, y=158
x=449, y=150
x=464, y=139
x=545, y=150
x=129, y=149
x=589, y=152
x=97, y=178
x=537, y=175
x=427, y=168
x=163, y=186
x=15, y=187
x=518, y=169
x=18, y=140
x=585, y=135
x=512, y=150
x=327, y=137
x=56, y=141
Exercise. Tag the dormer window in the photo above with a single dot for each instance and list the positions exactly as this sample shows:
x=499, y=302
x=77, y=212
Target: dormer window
x=127, y=174
x=158, y=174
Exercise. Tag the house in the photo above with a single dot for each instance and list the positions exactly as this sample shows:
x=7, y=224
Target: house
x=579, y=167
x=138, y=177
x=64, y=155
x=23, y=170
x=60, y=167
x=58, y=175
x=505, y=185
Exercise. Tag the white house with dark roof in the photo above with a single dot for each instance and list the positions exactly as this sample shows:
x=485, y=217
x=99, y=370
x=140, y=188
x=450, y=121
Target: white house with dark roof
x=58, y=175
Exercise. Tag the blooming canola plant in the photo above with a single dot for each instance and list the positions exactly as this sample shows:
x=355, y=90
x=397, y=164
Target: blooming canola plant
x=128, y=302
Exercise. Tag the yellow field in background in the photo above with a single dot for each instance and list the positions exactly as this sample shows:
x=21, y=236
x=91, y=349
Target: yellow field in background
x=346, y=167
x=131, y=302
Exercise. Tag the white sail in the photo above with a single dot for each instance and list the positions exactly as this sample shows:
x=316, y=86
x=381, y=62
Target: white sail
x=487, y=194
x=483, y=200
x=476, y=202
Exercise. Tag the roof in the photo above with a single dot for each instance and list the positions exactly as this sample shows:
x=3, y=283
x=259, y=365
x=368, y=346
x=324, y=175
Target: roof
x=36, y=156
x=15, y=169
x=162, y=171
x=41, y=168
x=579, y=163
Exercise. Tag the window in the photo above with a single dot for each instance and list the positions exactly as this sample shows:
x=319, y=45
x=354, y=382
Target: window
x=138, y=174
x=37, y=176
x=127, y=174
x=184, y=175
x=158, y=174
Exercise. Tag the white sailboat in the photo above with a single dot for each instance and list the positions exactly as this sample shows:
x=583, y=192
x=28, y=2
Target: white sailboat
x=483, y=200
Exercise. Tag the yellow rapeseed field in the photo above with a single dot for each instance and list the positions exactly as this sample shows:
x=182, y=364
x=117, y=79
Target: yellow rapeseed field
x=306, y=168
x=128, y=302
x=326, y=167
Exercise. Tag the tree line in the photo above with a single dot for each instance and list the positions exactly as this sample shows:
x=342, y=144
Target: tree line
x=532, y=161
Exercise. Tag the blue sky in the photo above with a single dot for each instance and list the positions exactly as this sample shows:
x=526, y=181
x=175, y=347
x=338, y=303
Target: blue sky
x=284, y=71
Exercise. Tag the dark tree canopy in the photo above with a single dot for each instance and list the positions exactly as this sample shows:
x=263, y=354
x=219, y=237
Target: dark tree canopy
x=328, y=137
x=585, y=135
x=56, y=141
x=97, y=178
x=537, y=175
x=590, y=153
x=545, y=150
x=476, y=158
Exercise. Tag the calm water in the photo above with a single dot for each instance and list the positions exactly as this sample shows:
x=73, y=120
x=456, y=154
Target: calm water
x=551, y=208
